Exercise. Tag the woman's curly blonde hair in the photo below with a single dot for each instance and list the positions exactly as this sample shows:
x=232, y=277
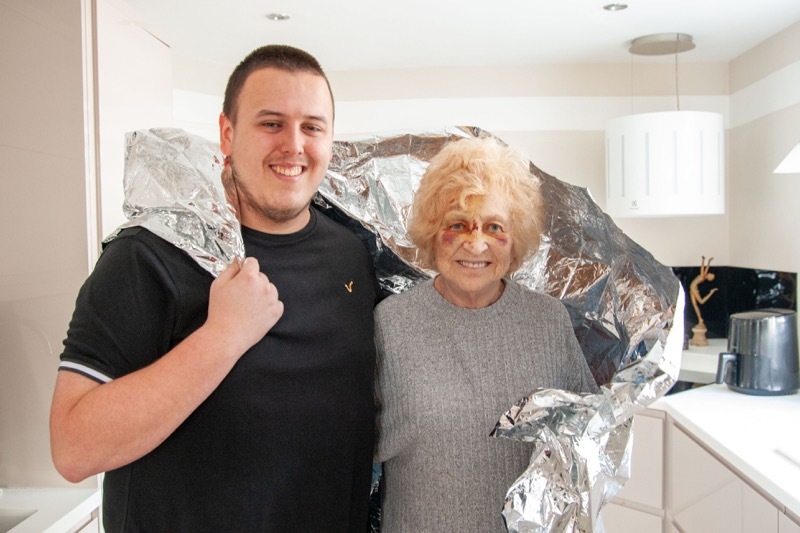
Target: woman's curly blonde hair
x=471, y=168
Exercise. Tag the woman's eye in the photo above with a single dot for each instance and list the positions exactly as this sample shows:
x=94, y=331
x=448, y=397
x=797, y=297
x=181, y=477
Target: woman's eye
x=458, y=226
x=495, y=228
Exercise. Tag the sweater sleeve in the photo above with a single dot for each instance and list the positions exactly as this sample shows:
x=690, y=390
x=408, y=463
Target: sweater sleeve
x=393, y=433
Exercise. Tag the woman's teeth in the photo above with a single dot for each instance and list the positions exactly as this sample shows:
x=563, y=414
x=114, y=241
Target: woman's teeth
x=474, y=264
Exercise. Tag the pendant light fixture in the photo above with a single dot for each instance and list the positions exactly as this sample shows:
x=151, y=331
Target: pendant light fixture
x=668, y=163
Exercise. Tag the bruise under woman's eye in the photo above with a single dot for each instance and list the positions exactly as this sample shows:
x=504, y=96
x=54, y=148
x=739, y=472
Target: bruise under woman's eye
x=500, y=237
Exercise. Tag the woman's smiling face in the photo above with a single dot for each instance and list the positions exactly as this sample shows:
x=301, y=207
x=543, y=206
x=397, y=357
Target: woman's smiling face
x=473, y=251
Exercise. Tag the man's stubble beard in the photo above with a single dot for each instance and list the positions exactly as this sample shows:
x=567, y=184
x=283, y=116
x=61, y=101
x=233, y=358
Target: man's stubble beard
x=241, y=195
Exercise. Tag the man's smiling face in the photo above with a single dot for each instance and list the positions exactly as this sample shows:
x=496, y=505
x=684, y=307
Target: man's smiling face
x=280, y=147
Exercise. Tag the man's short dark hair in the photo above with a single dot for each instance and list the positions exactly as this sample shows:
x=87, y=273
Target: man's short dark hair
x=277, y=56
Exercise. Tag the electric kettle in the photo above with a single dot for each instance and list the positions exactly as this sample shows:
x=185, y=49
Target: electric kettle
x=762, y=356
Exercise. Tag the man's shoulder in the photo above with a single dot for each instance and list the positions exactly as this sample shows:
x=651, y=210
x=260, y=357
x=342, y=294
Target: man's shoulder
x=340, y=236
x=138, y=237
x=328, y=223
x=136, y=246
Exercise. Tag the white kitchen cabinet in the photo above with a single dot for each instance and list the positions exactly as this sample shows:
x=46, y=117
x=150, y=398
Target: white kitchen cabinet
x=639, y=506
x=92, y=527
x=682, y=483
x=65, y=510
x=618, y=518
x=704, y=496
x=645, y=487
x=787, y=525
x=724, y=469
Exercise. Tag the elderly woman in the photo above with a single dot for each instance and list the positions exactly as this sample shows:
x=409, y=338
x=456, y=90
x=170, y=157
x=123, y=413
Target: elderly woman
x=457, y=351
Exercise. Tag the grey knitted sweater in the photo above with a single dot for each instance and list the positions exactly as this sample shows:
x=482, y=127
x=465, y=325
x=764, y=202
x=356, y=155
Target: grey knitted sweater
x=445, y=376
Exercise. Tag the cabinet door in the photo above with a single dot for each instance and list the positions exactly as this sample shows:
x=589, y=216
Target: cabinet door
x=92, y=527
x=704, y=496
x=785, y=525
x=646, y=483
x=758, y=514
x=621, y=519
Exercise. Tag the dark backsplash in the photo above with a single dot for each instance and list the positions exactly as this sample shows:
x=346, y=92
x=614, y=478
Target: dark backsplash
x=738, y=289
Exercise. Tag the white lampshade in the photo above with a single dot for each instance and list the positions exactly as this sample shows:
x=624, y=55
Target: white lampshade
x=790, y=163
x=665, y=164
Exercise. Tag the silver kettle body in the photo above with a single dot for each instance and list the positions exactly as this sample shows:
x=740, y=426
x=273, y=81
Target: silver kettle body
x=762, y=356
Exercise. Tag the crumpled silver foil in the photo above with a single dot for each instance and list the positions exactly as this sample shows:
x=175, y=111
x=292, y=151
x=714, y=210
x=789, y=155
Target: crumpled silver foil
x=173, y=188
x=582, y=442
x=626, y=308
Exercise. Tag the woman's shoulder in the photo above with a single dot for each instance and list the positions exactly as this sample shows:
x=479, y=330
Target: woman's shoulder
x=407, y=299
x=537, y=299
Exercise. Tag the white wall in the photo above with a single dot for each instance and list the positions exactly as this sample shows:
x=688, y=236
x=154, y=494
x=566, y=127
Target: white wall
x=765, y=228
x=43, y=221
x=134, y=79
x=49, y=197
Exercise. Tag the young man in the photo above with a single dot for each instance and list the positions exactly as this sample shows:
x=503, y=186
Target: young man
x=243, y=403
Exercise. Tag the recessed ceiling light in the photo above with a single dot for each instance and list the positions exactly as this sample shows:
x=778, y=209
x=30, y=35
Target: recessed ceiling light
x=615, y=7
x=278, y=17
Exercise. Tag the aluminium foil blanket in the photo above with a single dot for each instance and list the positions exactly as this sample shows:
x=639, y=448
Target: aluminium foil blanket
x=626, y=308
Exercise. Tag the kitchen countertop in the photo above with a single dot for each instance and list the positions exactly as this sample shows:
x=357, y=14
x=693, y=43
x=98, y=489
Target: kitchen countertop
x=756, y=435
x=52, y=510
x=699, y=363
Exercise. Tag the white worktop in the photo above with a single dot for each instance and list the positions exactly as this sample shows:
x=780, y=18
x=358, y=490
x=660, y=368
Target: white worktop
x=699, y=363
x=53, y=510
x=756, y=435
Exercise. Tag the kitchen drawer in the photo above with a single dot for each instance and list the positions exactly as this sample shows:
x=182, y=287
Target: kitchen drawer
x=622, y=519
x=705, y=496
x=645, y=487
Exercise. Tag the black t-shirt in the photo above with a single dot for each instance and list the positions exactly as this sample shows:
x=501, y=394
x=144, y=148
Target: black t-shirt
x=285, y=442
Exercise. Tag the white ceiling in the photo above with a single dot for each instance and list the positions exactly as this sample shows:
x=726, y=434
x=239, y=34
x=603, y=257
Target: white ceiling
x=374, y=34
